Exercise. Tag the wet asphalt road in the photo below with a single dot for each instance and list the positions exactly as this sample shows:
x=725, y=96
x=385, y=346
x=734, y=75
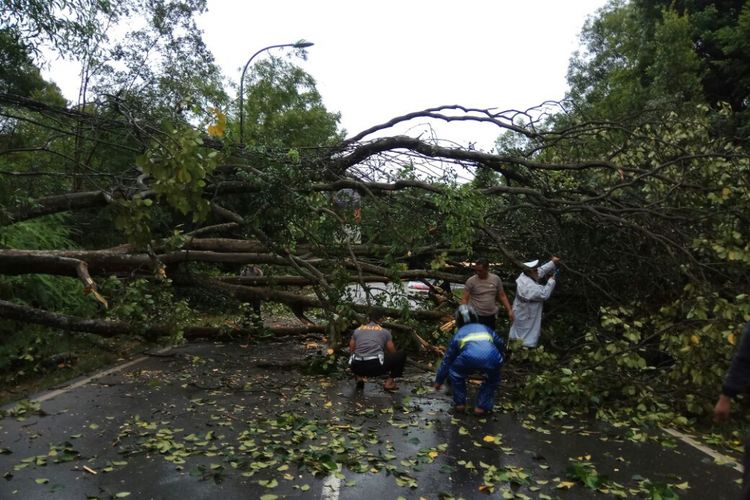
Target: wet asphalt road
x=216, y=421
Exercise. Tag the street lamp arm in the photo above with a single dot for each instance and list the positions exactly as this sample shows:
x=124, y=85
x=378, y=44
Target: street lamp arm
x=296, y=45
x=244, y=69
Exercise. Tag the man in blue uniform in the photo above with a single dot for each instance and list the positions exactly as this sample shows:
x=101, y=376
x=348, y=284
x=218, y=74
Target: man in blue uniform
x=475, y=348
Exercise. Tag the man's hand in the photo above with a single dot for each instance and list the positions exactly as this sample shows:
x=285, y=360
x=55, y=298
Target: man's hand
x=438, y=387
x=722, y=408
x=555, y=259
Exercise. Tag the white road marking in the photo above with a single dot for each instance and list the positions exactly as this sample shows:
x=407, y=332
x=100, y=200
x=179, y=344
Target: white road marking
x=331, y=488
x=52, y=394
x=718, y=457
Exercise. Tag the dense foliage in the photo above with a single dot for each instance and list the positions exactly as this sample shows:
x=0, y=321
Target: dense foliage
x=671, y=77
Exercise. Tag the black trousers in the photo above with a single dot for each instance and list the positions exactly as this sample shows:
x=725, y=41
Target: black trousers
x=489, y=321
x=393, y=364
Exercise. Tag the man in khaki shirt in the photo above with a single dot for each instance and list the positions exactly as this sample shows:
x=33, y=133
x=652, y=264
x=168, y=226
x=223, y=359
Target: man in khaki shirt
x=482, y=292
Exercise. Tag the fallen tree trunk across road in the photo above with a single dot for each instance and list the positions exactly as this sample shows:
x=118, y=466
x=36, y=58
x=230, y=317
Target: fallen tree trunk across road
x=109, y=328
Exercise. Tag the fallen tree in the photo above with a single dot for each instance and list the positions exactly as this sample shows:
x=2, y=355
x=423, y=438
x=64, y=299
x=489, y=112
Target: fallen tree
x=432, y=225
x=642, y=213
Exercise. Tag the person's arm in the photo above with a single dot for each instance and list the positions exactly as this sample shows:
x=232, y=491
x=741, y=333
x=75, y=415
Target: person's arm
x=723, y=408
x=390, y=346
x=352, y=345
x=468, y=287
x=547, y=267
x=506, y=304
x=499, y=344
x=737, y=379
x=450, y=355
x=535, y=292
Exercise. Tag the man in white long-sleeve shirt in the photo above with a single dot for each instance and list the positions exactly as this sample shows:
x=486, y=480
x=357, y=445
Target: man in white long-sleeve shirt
x=529, y=301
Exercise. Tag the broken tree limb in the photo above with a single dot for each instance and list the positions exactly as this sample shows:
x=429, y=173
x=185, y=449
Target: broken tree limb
x=109, y=328
x=296, y=300
x=54, y=204
x=195, y=332
x=417, y=273
x=102, y=261
x=226, y=214
x=255, y=246
x=213, y=229
x=80, y=263
x=283, y=280
x=26, y=314
x=55, y=264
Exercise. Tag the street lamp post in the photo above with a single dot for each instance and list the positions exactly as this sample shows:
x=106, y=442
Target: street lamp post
x=297, y=45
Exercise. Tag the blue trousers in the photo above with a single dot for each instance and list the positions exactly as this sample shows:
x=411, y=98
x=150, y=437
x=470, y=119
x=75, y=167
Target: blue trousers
x=486, y=394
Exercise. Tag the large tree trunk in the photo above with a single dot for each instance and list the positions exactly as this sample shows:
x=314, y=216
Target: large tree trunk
x=294, y=300
x=108, y=328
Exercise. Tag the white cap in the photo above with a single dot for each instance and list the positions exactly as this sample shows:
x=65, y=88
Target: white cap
x=531, y=263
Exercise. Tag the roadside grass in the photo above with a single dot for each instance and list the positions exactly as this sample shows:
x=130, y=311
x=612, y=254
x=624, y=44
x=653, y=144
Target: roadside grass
x=34, y=359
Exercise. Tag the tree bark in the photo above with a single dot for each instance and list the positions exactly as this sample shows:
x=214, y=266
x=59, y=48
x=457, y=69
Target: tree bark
x=55, y=204
x=299, y=301
x=109, y=328
x=61, y=262
x=103, y=261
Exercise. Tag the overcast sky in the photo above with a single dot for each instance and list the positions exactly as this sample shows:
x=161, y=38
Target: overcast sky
x=378, y=60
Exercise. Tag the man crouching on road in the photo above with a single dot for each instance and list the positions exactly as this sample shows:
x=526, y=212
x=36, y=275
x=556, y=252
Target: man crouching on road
x=373, y=353
x=475, y=348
